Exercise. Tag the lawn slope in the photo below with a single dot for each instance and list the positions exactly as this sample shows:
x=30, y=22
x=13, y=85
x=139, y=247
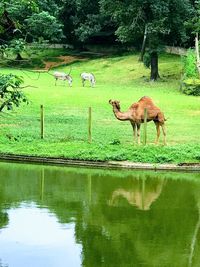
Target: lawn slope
x=66, y=113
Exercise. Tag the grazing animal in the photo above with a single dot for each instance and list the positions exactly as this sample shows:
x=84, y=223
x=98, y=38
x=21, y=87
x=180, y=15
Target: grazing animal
x=62, y=76
x=135, y=115
x=88, y=76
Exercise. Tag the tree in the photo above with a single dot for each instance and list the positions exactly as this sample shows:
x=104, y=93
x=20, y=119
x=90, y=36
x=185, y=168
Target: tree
x=194, y=25
x=17, y=46
x=161, y=21
x=13, y=13
x=30, y=19
x=23, y=21
x=84, y=22
x=10, y=91
x=44, y=25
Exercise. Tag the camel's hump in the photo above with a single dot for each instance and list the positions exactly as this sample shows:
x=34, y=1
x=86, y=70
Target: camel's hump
x=145, y=98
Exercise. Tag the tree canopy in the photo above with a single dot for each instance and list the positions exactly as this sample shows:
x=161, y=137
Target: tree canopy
x=82, y=19
x=146, y=24
x=30, y=20
x=161, y=21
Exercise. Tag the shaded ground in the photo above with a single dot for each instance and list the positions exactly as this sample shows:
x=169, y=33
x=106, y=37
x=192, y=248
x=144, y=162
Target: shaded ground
x=64, y=60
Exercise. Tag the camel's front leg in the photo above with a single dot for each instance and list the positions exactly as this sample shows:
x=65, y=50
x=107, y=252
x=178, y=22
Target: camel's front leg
x=138, y=134
x=158, y=132
x=134, y=130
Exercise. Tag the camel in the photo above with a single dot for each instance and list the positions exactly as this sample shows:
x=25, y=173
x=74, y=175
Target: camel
x=135, y=114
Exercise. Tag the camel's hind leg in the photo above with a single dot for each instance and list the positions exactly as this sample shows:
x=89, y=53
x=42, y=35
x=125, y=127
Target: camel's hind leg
x=161, y=120
x=158, y=131
x=164, y=133
x=158, y=124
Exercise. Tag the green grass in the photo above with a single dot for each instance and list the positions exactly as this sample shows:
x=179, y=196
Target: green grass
x=66, y=113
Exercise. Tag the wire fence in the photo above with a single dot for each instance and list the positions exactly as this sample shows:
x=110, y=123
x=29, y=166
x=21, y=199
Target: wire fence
x=93, y=125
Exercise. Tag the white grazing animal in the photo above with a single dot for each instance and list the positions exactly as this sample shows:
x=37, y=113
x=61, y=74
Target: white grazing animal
x=88, y=76
x=62, y=76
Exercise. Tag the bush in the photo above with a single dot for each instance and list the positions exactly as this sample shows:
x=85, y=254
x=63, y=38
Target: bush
x=189, y=65
x=10, y=93
x=147, y=60
x=191, y=87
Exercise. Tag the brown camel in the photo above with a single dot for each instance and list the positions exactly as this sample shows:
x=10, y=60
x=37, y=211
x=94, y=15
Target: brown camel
x=135, y=114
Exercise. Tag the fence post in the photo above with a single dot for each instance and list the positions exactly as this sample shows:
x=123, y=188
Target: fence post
x=145, y=126
x=42, y=121
x=42, y=184
x=143, y=193
x=90, y=125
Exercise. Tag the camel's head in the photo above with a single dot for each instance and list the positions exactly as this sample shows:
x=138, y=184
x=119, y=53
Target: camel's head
x=115, y=103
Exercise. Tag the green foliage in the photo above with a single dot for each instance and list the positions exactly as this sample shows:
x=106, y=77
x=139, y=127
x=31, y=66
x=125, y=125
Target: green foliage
x=96, y=20
x=31, y=20
x=191, y=83
x=84, y=21
x=189, y=65
x=162, y=18
x=191, y=87
x=147, y=60
x=10, y=92
x=193, y=23
x=115, y=142
x=161, y=21
x=3, y=49
x=17, y=46
x=44, y=25
x=91, y=26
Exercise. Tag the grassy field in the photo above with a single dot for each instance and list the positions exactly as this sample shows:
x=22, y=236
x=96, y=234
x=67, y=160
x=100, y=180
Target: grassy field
x=66, y=113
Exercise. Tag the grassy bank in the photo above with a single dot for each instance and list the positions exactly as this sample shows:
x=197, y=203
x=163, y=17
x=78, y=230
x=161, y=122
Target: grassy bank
x=66, y=113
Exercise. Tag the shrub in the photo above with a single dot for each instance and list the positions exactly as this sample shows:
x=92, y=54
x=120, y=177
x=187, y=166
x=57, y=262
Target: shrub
x=115, y=142
x=189, y=65
x=191, y=87
x=147, y=60
x=10, y=93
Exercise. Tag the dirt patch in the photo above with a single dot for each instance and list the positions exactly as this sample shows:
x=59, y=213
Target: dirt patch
x=64, y=60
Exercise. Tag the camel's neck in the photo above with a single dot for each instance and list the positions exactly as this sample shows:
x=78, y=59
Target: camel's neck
x=122, y=116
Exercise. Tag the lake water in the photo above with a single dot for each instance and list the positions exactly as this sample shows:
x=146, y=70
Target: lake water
x=71, y=217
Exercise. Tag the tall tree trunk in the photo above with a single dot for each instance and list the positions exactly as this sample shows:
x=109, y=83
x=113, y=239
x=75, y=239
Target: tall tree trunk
x=143, y=44
x=154, y=66
x=197, y=53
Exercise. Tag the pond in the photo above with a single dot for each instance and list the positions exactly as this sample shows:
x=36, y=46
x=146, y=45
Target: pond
x=63, y=216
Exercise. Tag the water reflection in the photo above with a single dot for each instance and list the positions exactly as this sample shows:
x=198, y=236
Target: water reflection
x=54, y=216
x=142, y=193
x=32, y=231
